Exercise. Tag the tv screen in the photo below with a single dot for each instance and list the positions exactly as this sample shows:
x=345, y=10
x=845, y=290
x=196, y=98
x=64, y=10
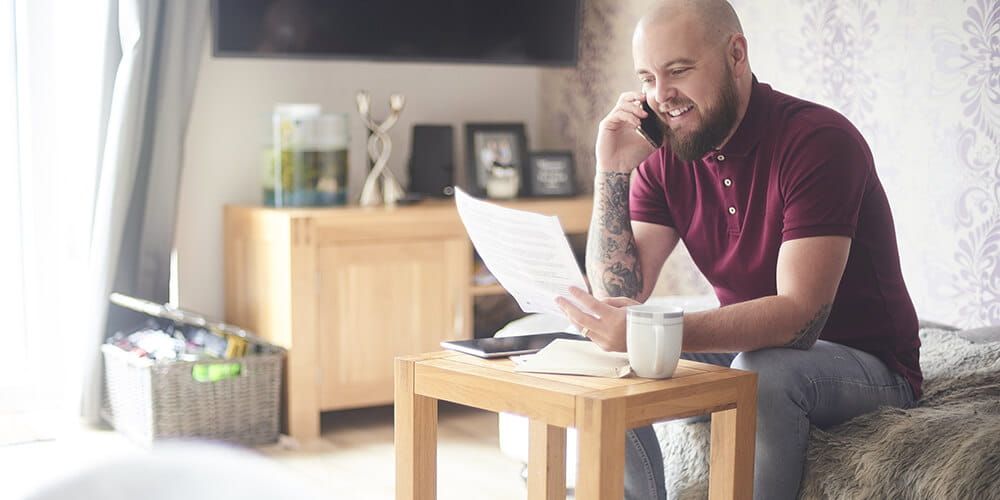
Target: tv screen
x=531, y=32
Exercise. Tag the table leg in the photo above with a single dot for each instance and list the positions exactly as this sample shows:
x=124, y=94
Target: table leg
x=733, y=433
x=415, y=438
x=601, y=428
x=546, y=461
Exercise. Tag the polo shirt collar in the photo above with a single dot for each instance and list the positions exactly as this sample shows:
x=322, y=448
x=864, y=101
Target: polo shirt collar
x=752, y=126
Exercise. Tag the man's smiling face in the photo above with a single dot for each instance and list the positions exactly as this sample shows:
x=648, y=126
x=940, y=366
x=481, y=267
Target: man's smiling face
x=687, y=82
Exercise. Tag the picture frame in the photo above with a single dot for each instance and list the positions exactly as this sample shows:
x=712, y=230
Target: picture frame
x=493, y=144
x=551, y=174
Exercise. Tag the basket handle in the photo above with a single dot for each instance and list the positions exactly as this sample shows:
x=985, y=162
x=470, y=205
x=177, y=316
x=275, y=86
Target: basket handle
x=215, y=372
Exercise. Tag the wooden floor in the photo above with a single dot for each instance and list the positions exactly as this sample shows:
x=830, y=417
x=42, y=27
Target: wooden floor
x=353, y=460
x=358, y=444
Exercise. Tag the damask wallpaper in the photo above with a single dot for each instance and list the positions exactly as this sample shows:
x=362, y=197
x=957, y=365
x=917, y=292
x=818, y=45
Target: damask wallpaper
x=919, y=78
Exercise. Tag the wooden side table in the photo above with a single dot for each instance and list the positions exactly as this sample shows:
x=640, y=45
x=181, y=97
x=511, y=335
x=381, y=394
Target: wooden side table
x=600, y=409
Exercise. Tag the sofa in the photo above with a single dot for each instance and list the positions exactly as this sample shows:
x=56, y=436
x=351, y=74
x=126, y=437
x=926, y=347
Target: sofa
x=947, y=446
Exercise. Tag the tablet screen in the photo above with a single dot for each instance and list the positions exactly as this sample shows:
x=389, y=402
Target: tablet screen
x=496, y=347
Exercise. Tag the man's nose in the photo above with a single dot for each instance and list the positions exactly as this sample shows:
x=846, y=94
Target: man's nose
x=664, y=93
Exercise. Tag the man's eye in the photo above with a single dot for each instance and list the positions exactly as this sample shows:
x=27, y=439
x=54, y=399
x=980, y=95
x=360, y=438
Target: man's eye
x=679, y=71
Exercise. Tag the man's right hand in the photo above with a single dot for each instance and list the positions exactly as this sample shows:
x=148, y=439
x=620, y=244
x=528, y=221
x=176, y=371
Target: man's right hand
x=619, y=147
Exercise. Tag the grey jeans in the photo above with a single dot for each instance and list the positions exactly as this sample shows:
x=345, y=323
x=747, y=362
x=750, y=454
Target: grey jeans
x=823, y=386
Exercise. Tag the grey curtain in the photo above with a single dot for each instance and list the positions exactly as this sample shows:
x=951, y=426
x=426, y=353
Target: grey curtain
x=153, y=54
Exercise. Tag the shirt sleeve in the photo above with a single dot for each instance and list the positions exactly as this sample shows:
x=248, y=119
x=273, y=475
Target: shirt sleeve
x=823, y=184
x=647, y=194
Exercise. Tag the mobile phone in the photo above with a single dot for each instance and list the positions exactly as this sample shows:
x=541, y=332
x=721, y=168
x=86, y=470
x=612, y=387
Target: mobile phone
x=650, y=127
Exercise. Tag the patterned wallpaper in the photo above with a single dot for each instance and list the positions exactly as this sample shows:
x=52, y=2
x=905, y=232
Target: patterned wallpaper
x=919, y=78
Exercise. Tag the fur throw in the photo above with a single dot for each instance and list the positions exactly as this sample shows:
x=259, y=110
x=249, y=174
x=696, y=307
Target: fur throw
x=948, y=446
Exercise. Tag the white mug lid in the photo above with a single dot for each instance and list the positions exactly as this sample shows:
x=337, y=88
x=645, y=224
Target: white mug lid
x=654, y=312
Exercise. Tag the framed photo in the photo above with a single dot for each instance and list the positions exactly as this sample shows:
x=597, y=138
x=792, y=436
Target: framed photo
x=551, y=173
x=493, y=145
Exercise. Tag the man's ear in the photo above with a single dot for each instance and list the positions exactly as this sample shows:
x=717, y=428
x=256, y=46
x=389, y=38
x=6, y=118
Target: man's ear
x=736, y=54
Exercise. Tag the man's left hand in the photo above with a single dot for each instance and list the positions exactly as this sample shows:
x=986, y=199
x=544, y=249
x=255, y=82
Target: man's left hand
x=605, y=320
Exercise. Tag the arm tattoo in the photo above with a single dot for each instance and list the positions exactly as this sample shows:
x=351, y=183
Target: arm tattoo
x=619, y=280
x=612, y=257
x=807, y=336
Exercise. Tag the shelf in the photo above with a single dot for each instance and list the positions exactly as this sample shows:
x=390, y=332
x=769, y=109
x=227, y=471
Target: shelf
x=484, y=290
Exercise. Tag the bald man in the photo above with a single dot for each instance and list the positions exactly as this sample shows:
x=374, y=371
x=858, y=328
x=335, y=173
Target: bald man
x=778, y=202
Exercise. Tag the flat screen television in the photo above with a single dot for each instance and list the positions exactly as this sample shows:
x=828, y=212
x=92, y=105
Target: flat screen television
x=529, y=32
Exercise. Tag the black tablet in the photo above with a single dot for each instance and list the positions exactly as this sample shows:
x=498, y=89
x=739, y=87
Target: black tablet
x=499, y=347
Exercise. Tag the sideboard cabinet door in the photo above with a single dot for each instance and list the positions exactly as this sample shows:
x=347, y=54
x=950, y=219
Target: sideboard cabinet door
x=382, y=300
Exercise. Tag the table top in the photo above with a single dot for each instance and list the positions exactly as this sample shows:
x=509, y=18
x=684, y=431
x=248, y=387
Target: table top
x=695, y=389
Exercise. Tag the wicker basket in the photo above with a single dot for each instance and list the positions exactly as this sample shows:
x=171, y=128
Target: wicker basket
x=148, y=401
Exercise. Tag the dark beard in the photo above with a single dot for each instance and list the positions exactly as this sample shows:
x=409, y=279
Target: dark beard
x=718, y=123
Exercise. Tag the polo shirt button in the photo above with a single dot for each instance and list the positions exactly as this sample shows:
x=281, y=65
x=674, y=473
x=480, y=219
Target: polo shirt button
x=720, y=157
x=727, y=182
x=732, y=210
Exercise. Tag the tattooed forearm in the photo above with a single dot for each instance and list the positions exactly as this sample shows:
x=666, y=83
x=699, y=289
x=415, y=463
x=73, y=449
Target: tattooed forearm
x=807, y=336
x=620, y=281
x=609, y=247
x=612, y=257
x=614, y=204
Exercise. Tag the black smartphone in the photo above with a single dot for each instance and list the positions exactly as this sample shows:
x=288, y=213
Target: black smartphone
x=650, y=127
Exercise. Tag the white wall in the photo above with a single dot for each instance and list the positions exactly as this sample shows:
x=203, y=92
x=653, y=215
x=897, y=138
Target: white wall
x=229, y=122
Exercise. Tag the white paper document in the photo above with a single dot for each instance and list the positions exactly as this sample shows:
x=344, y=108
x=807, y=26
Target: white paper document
x=575, y=357
x=527, y=252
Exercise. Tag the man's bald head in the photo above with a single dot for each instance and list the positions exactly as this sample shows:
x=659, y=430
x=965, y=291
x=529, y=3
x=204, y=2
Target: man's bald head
x=691, y=59
x=716, y=19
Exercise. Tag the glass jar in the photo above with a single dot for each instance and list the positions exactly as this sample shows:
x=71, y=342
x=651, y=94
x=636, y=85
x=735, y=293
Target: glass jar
x=312, y=167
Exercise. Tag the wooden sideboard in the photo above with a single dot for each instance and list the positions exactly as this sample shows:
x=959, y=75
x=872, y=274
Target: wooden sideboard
x=346, y=290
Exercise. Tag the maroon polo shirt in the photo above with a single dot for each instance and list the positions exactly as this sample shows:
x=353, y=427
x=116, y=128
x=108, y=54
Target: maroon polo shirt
x=793, y=169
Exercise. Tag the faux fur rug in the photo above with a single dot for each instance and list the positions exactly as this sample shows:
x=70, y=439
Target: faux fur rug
x=946, y=447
